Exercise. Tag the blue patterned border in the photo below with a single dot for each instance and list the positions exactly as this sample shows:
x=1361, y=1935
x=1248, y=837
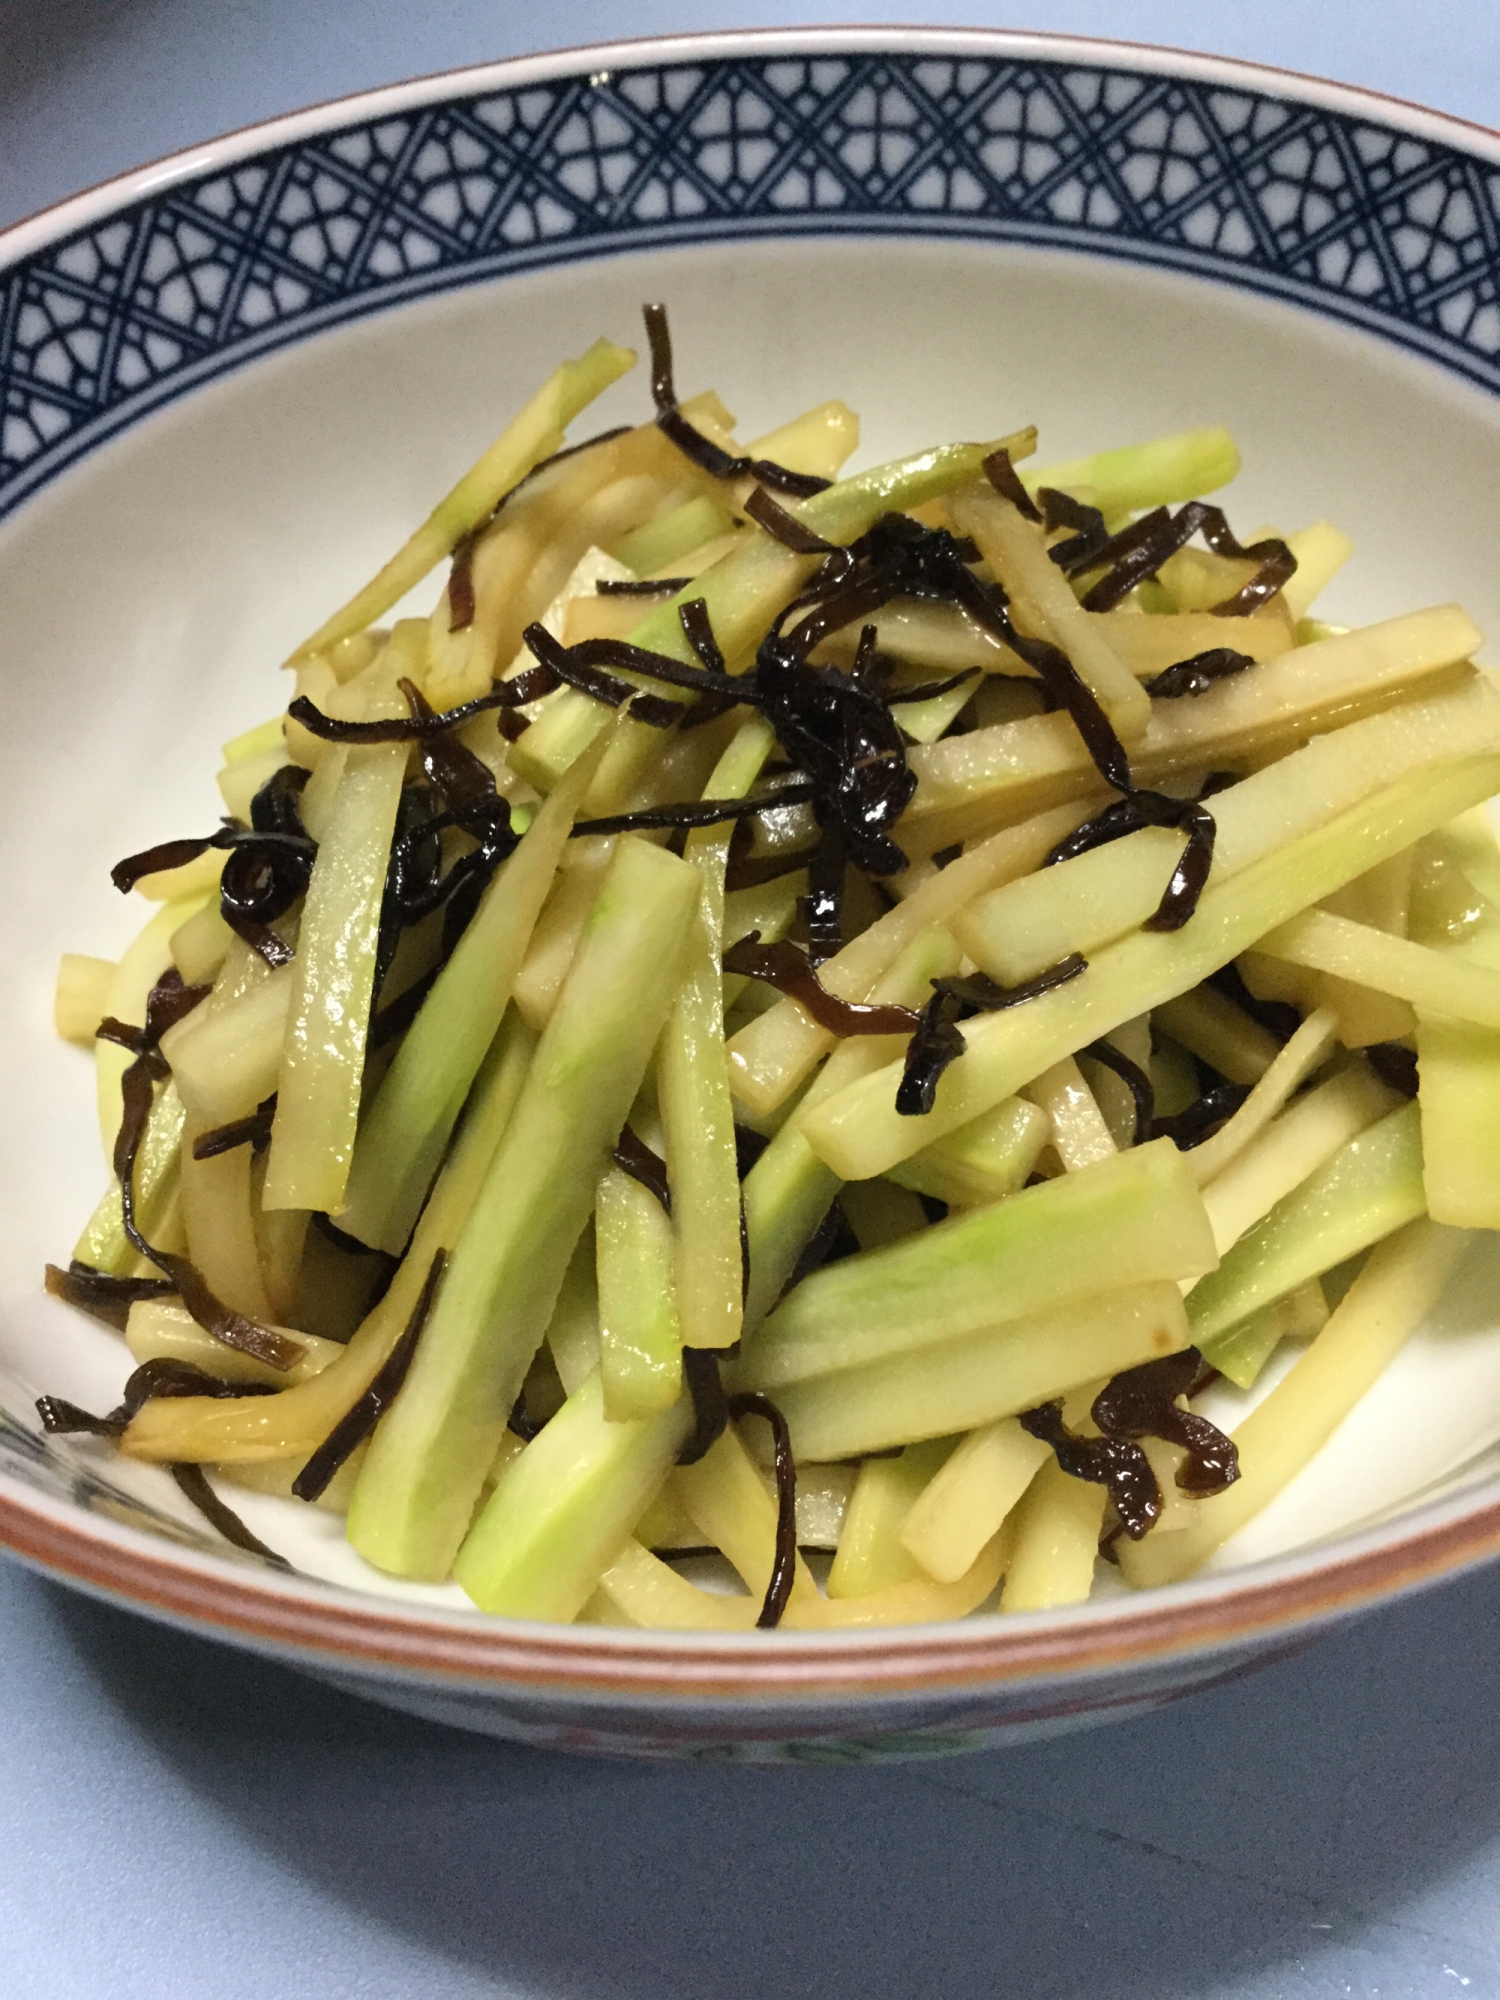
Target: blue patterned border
x=1395, y=233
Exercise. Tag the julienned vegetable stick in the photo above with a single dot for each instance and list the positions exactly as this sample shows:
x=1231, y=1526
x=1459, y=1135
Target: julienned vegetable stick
x=1292, y=1148
x=333, y=974
x=1369, y=1187
x=218, y=1218
x=163, y=1330
x=1209, y=1025
x=871, y=1554
x=730, y=1503
x=980, y=1162
x=1055, y=1542
x=1159, y=473
x=640, y=1589
x=1016, y=768
x=534, y=434
x=859, y=1133
x=1459, y=1066
x=772, y=1054
x=564, y=1507
x=1077, y=1126
x=201, y=1429
x=640, y=1337
x=141, y=964
x=1434, y=980
x=1290, y=1070
x=1398, y=1287
x=1321, y=551
x=1018, y=558
x=956, y=1385
x=431, y=1450
x=969, y=1496
x=1244, y=1350
x=1016, y=930
x=789, y=1191
x=405, y=1133
x=1134, y=1218
x=693, y=1084
x=743, y=593
x=81, y=1000
x=226, y=1060
x=573, y=1338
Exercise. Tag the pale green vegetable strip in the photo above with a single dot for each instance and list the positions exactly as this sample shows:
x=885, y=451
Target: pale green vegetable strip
x=859, y=1133
x=640, y=1339
x=1017, y=768
x=1293, y=1066
x=1387, y=1302
x=1371, y=1186
x=1459, y=1066
x=1242, y=1352
x=563, y=1509
x=1017, y=930
x=735, y=1509
x=638, y=1588
x=219, y=1221
x=1075, y=1123
x=1056, y=1542
x=678, y=533
x=1018, y=558
x=406, y=1131
x=871, y=1554
x=1293, y=1147
x=1136, y=1217
x=431, y=1450
x=1207, y=1024
x=936, y=1391
x=1159, y=473
x=980, y=1162
x=201, y=1429
x=743, y=593
x=162, y=1330
x=789, y=1191
x=81, y=999
x=141, y=964
x=104, y=1246
x=1321, y=552
x=333, y=974
x=774, y=1053
x=226, y=1060
x=534, y=434
x=693, y=1083
x=970, y=1495
x=573, y=1331
x=1430, y=979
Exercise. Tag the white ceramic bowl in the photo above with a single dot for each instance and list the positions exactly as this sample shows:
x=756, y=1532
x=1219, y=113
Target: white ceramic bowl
x=231, y=382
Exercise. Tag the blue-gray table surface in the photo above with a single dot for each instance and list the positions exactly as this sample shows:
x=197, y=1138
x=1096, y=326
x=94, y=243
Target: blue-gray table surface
x=177, y=1819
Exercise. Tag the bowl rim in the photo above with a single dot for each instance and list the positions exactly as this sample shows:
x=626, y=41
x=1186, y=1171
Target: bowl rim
x=1230, y=1611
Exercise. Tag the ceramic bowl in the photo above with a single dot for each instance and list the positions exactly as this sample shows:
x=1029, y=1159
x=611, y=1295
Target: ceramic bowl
x=230, y=383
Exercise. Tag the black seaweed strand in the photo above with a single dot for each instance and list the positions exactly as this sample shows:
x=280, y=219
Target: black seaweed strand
x=784, y=1564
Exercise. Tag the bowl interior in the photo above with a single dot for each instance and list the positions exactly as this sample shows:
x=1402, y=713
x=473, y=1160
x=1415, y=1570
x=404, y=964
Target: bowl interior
x=150, y=592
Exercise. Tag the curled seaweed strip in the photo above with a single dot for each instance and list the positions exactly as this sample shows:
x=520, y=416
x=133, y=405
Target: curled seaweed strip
x=697, y=629
x=700, y=1374
x=1140, y=550
x=929, y=690
x=640, y=586
x=784, y=527
x=938, y=1043
x=577, y=666
x=1196, y=675
x=784, y=1564
x=1202, y=1118
x=1142, y=1402
x=1139, y=809
x=254, y=1131
x=690, y=441
x=698, y=812
x=1116, y=1463
x=102, y=1295
x=361, y=1418
x=1135, y=1081
x=1061, y=510
x=192, y=1483
x=634, y=1157
x=1002, y=475
x=518, y=692
x=159, y=1377
x=789, y=970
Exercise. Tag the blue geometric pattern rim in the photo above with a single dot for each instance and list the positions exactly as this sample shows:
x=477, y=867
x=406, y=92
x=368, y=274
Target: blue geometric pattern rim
x=1396, y=233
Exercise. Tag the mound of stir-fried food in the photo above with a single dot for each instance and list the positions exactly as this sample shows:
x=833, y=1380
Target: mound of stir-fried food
x=798, y=1013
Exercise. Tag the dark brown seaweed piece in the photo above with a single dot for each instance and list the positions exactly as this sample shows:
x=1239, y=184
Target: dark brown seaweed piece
x=1202, y=1118
x=690, y=441
x=1196, y=675
x=192, y=1481
x=784, y=527
x=1135, y=1081
x=1090, y=536
x=1142, y=808
x=697, y=629
x=822, y=907
x=1142, y=1402
x=700, y=1374
x=928, y=690
x=1117, y=1464
x=254, y=1131
x=361, y=1418
x=788, y=969
x=103, y=1296
x=161, y=1377
x=1140, y=550
x=1002, y=475
x=517, y=692
x=575, y=665
x=748, y=1147
x=937, y=1042
x=634, y=1157
x=522, y=1423
x=700, y=812
x=784, y=1566
x=461, y=583
x=641, y=586
x=1395, y=1065
x=946, y=856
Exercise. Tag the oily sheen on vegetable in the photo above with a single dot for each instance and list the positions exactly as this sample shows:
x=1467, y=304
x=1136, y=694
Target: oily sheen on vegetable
x=751, y=1068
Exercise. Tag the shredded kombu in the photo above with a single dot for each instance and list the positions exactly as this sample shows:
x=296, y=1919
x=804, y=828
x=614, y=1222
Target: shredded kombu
x=358, y=1421
x=705, y=1385
x=704, y=453
x=102, y=1295
x=254, y=1131
x=1203, y=1117
x=784, y=1563
x=937, y=1042
x=192, y=1482
x=1138, y=552
x=1196, y=675
x=1135, y=1080
x=1142, y=808
x=634, y=1157
x=788, y=968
